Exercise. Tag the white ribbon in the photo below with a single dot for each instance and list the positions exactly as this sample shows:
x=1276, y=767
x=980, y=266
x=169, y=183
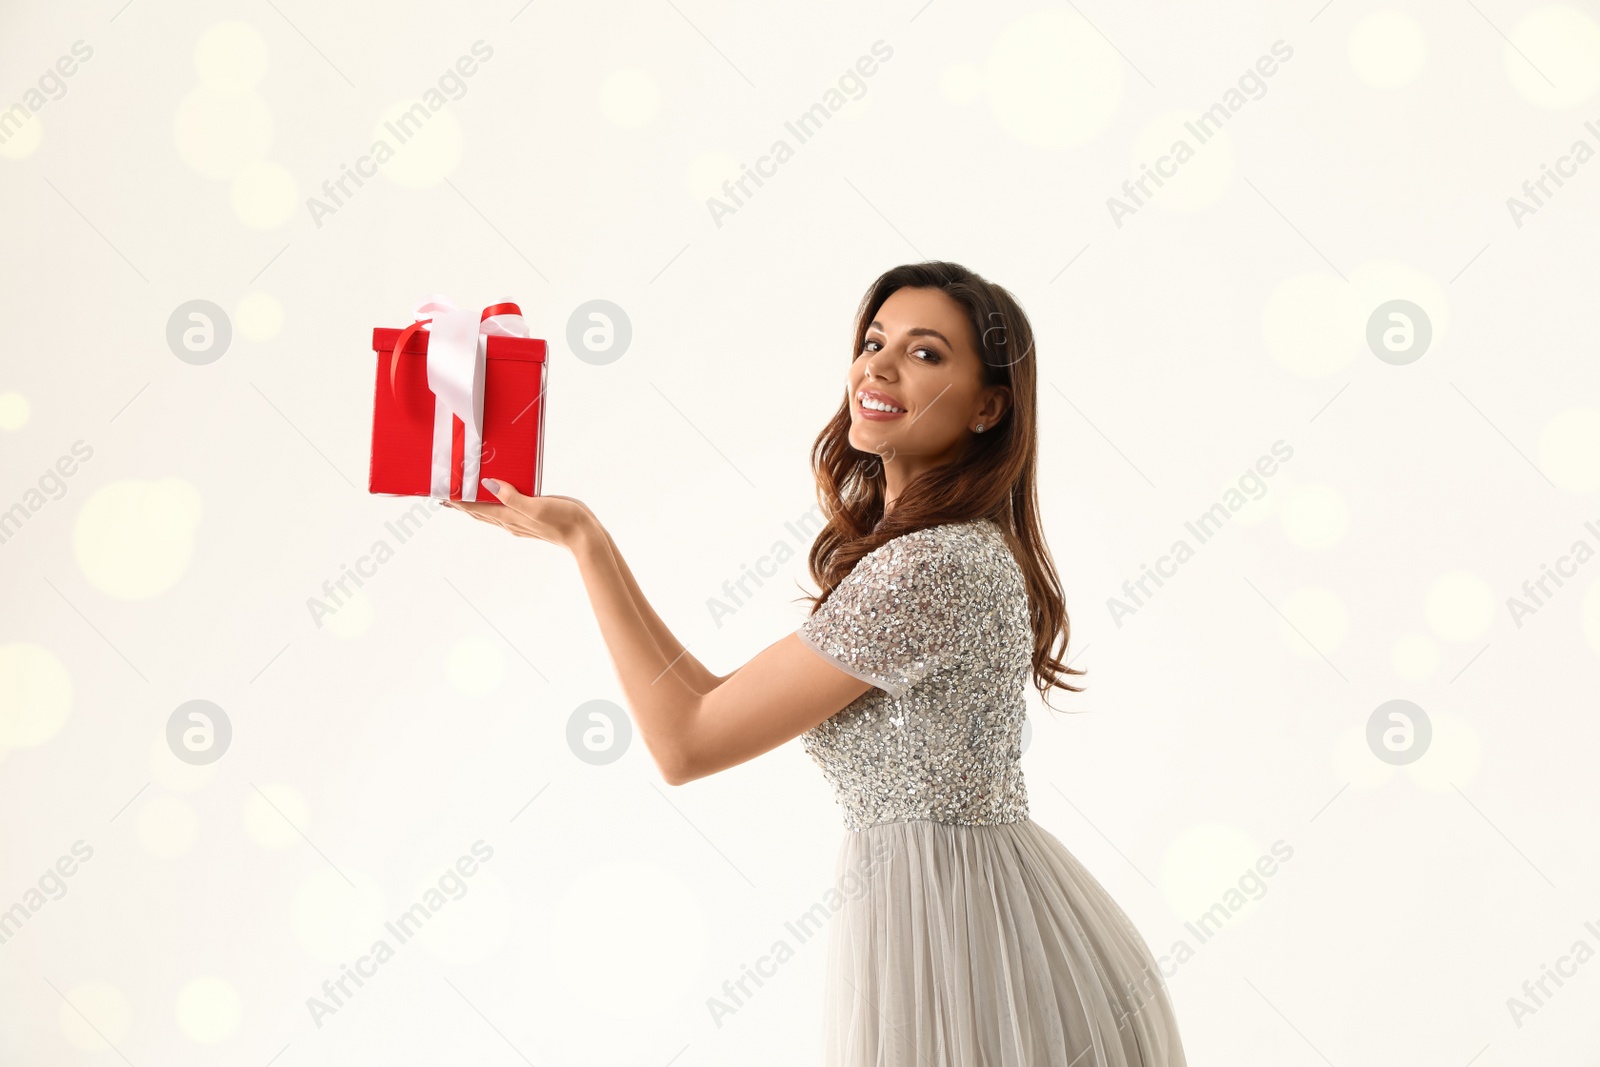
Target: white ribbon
x=458, y=343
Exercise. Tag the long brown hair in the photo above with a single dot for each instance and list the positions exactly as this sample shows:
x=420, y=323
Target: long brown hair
x=994, y=478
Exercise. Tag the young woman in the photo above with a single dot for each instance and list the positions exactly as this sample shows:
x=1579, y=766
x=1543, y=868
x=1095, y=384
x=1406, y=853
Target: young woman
x=977, y=938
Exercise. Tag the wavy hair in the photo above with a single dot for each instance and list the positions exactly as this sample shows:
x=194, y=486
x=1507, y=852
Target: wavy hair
x=993, y=478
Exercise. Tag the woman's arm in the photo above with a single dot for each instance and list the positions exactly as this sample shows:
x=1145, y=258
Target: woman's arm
x=693, y=672
x=785, y=690
x=690, y=729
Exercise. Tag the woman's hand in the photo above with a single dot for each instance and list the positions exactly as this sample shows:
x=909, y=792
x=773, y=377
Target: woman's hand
x=561, y=520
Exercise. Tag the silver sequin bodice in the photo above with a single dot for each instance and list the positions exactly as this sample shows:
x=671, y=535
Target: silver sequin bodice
x=937, y=620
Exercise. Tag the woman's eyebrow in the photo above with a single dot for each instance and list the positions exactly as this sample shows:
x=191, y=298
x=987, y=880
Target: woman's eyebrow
x=915, y=331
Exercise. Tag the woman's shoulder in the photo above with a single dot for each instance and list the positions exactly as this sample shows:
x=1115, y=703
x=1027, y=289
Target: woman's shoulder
x=974, y=548
x=965, y=575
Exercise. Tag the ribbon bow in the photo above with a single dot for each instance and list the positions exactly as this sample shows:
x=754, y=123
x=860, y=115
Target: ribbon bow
x=458, y=340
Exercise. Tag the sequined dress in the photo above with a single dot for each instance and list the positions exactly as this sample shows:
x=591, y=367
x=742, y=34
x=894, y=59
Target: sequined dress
x=969, y=936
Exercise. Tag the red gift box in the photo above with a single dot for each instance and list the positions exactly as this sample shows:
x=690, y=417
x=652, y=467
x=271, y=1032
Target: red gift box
x=515, y=379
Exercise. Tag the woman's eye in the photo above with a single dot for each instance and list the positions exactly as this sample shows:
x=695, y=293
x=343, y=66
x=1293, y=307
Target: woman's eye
x=931, y=357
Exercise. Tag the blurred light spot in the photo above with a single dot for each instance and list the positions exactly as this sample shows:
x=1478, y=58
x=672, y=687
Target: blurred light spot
x=258, y=316
x=706, y=173
x=961, y=82
x=219, y=133
x=1203, y=868
x=264, y=196
x=231, y=56
x=476, y=665
x=1556, y=44
x=35, y=695
x=14, y=411
x=208, y=1010
x=334, y=922
x=1314, y=324
x=1378, y=281
x=133, y=539
x=273, y=825
x=431, y=150
x=1387, y=49
x=352, y=616
x=662, y=935
x=1315, y=516
x=1051, y=79
x=1198, y=182
x=1459, y=606
x=1354, y=762
x=1569, y=449
x=630, y=97
x=23, y=141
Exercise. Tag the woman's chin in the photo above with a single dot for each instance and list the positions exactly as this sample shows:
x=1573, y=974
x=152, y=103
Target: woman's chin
x=875, y=442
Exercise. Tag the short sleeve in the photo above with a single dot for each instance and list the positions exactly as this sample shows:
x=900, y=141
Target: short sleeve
x=896, y=617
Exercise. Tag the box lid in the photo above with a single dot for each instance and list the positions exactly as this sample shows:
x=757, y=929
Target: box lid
x=527, y=349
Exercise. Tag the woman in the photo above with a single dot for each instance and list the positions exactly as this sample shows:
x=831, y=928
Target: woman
x=977, y=938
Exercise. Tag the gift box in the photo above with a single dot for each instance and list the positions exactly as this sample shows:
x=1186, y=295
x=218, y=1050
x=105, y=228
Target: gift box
x=460, y=396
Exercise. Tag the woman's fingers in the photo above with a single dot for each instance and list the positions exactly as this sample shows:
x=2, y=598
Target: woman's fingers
x=548, y=518
x=481, y=512
x=506, y=493
x=476, y=508
x=495, y=515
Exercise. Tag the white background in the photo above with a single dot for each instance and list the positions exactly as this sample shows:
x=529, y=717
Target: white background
x=1227, y=313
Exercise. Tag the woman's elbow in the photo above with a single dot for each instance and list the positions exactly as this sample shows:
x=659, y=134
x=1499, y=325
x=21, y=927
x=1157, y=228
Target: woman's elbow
x=684, y=765
x=674, y=765
x=675, y=753
x=677, y=774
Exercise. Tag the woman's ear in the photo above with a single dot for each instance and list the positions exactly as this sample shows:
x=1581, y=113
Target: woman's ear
x=996, y=405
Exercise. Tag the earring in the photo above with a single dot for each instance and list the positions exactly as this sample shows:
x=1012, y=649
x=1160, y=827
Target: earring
x=980, y=427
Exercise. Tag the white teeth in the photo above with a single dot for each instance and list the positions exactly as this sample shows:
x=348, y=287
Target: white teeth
x=875, y=405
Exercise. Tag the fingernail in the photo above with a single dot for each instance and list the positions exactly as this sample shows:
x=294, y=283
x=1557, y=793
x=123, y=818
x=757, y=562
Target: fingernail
x=491, y=485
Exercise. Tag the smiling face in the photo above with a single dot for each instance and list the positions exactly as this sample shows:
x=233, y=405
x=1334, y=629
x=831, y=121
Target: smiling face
x=916, y=387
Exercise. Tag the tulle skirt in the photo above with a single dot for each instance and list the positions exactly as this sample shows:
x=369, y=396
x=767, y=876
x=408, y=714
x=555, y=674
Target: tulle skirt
x=986, y=946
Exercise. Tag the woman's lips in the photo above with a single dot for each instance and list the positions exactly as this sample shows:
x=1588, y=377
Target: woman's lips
x=878, y=416
x=875, y=415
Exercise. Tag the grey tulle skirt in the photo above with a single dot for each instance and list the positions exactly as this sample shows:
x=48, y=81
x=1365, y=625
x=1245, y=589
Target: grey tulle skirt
x=986, y=946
